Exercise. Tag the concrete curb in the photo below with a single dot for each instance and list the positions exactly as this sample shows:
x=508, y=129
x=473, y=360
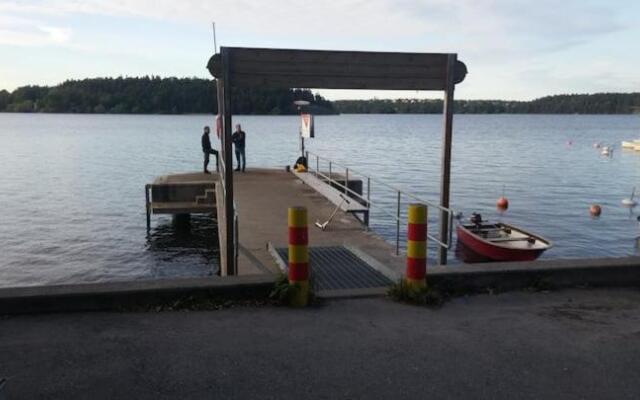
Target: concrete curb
x=118, y=295
x=611, y=272
x=502, y=277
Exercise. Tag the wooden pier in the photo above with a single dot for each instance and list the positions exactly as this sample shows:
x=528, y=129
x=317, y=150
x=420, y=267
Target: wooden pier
x=236, y=67
x=251, y=212
x=263, y=197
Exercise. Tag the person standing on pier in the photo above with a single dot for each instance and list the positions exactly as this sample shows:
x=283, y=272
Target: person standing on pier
x=239, y=139
x=207, y=150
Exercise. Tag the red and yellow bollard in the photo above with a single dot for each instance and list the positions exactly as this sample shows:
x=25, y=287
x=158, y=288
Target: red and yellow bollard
x=416, y=275
x=299, y=254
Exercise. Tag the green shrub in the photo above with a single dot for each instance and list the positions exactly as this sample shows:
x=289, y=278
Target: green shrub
x=286, y=293
x=406, y=293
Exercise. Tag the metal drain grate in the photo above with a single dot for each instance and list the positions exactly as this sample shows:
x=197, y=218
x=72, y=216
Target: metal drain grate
x=336, y=267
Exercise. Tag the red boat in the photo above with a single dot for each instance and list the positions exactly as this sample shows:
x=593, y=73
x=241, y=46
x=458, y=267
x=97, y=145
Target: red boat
x=501, y=242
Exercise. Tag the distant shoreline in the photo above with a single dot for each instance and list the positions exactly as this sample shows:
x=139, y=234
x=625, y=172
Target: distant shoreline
x=193, y=96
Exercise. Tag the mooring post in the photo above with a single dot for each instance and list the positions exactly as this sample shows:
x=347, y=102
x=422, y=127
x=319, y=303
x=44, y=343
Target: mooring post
x=398, y=226
x=366, y=217
x=298, y=271
x=416, y=273
x=146, y=196
x=446, y=157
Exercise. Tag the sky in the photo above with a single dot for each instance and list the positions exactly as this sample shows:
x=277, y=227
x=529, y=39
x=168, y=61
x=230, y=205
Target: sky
x=513, y=49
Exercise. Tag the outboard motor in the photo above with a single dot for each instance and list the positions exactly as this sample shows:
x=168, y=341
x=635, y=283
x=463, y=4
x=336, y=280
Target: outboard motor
x=476, y=219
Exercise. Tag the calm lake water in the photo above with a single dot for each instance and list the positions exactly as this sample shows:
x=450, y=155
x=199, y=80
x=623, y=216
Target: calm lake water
x=72, y=189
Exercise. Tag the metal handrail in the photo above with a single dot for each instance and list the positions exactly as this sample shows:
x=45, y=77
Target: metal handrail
x=392, y=187
x=399, y=193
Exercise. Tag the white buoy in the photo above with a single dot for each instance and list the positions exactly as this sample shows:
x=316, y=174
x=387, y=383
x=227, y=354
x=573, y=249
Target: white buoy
x=630, y=202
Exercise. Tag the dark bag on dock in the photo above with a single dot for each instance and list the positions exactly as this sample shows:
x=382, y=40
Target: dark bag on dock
x=301, y=160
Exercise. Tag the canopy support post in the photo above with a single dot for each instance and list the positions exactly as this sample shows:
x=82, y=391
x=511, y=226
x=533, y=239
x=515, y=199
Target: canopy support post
x=446, y=157
x=230, y=267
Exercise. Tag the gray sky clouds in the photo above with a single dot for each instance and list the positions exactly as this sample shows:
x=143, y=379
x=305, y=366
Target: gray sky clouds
x=514, y=49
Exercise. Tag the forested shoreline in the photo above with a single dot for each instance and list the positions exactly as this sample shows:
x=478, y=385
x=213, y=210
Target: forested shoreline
x=155, y=95
x=599, y=103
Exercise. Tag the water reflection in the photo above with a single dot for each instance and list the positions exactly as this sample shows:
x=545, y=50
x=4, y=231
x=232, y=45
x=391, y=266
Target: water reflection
x=75, y=229
x=185, y=241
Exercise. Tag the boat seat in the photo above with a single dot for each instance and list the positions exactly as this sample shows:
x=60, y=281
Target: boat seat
x=527, y=238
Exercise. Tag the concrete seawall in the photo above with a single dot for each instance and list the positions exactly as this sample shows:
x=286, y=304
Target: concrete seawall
x=611, y=272
x=118, y=295
x=469, y=278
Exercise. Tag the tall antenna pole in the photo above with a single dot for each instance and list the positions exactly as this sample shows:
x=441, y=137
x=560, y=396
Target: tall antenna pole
x=215, y=44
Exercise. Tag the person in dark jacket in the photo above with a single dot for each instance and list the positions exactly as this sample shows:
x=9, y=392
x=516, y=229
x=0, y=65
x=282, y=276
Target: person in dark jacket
x=207, y=150
x=239, y=140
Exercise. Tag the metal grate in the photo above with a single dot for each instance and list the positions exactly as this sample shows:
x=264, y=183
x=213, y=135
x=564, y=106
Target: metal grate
x=336, y=267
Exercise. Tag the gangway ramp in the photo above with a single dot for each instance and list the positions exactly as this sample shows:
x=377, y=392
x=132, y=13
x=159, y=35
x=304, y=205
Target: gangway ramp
x=338, y=197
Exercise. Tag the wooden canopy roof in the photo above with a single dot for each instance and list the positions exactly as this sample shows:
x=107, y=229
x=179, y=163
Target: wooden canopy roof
x=335, y=69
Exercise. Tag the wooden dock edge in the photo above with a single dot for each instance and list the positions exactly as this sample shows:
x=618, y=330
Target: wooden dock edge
x=282, y=266
x=222, y=229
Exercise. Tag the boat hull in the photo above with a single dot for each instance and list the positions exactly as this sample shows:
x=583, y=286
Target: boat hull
x=496, y=252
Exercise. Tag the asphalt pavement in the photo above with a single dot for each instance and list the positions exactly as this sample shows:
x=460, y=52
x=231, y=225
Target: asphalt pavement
x=570, y=344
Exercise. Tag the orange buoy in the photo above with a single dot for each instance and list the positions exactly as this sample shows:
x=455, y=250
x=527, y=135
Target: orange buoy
x=595, y=210
x=502, y=204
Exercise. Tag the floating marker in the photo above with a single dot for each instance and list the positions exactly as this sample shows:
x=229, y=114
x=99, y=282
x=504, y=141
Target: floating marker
x=502, y=204
x=630, y=202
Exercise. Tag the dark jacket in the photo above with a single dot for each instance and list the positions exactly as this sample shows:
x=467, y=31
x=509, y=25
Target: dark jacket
x=206, y=143
x=238, y=139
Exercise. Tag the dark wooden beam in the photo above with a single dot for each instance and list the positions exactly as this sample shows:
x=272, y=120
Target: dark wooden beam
x=228, y=166
x=337, y=69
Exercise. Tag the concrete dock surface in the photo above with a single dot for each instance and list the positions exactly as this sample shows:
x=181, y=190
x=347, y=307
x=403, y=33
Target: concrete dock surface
x=570, y=344
x=263, y=197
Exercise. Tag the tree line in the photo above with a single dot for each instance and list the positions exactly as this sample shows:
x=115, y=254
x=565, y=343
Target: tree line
x=155, y=95
x=599, y=103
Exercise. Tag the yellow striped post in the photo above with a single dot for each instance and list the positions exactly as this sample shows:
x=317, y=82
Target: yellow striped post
x=299, y=254
x=416, y=275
